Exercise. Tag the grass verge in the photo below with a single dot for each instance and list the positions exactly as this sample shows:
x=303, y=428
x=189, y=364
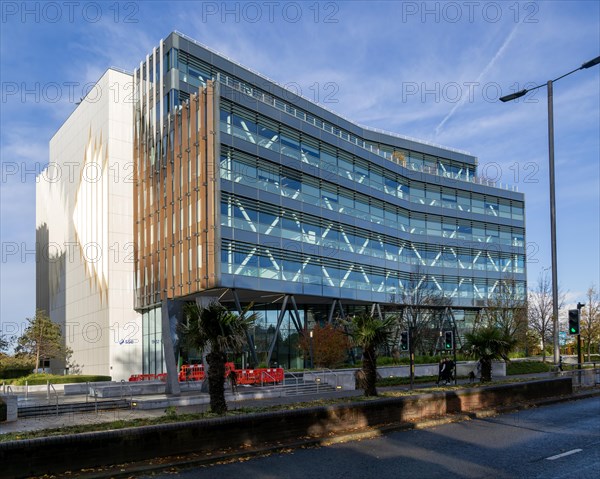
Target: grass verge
x=38, y=379
x=527, y=367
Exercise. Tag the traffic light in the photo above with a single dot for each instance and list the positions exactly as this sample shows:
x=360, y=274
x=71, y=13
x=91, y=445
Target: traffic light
x=573, y=321
x=448, y=340
x=404, y=341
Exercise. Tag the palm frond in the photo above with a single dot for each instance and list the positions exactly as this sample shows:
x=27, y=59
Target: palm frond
x=215, y=326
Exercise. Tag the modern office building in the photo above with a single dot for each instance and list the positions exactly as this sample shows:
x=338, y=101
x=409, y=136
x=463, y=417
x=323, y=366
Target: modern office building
x=84, y=232
x=245, y=192
x=217, y=183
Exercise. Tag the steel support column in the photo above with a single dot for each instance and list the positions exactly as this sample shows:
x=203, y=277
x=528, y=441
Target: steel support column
x=249, y=337
x=172, y=386
x=279, y=320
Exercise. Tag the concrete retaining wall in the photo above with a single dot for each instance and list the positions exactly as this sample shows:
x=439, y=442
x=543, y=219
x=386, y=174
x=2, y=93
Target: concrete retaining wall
x=582, y=377
x=12, y=407
x=82, y=388
x=57, y=454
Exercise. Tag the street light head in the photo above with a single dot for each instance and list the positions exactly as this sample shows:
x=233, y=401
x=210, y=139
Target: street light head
x=513, y=96
x=591, y=63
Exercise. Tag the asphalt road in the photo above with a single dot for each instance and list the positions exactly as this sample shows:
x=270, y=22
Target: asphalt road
x=551, y=442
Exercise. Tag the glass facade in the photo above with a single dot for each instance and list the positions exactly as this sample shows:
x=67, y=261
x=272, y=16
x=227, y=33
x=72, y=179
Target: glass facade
x=305, y=203
x=152, y=360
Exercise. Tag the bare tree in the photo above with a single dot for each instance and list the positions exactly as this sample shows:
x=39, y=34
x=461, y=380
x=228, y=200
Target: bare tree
x=423, y=308
x=540, y=310
x=590, y=319
x=506, y=309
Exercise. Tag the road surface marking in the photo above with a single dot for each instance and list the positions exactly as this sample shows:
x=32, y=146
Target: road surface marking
x=568, y=453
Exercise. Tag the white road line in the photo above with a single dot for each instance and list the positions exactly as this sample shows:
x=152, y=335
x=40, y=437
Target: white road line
x=568, y=453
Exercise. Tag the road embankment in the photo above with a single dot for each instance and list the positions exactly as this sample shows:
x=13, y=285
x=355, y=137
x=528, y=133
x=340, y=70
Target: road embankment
x=57, y=454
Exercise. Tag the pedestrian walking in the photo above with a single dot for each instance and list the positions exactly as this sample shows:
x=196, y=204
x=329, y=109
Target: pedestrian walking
x=233, y=380
x=560, y=363
x=440, y=371
x=450, y=371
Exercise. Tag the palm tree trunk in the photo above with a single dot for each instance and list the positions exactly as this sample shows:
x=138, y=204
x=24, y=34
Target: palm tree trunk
x=216, y=382
x=370, y=372
x=486, y=370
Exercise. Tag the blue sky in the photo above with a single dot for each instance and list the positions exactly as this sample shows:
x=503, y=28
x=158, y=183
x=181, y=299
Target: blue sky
x=429, y=70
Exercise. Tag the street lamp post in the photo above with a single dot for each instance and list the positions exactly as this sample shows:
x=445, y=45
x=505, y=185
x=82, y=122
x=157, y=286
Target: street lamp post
x=514, y=96
x=312, y=359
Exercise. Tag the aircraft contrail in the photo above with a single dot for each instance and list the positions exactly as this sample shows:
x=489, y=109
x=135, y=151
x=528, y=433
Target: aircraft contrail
x=480, y=76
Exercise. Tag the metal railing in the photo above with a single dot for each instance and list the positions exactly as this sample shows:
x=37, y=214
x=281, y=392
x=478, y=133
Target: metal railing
x=51, y=386
x=331, y=372
x=94, y=392
x=296, y=378
x=6, y=389
x=583, y=375
x=126, y=385
x=262, y=378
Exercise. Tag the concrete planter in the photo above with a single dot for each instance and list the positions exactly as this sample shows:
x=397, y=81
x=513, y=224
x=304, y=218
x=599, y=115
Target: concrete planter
x=11, y=406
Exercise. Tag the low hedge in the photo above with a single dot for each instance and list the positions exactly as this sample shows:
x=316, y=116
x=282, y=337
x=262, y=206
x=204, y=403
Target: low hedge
x=527, y=367
x=14, y=373
x=396, y=381
x=37, y=379
x=421, y=359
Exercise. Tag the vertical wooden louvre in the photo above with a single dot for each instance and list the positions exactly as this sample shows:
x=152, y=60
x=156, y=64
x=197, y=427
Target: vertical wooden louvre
x=182, y=258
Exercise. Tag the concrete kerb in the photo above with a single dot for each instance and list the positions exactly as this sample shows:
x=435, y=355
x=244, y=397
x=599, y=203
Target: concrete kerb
x=124, y=471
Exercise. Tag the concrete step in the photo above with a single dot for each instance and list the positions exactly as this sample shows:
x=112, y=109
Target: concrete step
x=71, y=407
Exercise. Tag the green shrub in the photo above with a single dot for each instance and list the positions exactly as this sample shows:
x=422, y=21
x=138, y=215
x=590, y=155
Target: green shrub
x=517, y=354
x=3, y=412
x=422, y=359
x=388, y=361
x=14, y=373
x=527, y=367
x=398, y=381
x=37, y=379
x=15, y=366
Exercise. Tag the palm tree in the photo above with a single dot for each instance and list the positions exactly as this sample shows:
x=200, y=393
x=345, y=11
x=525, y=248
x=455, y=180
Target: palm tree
x=489, y=343
x=216, y=330
x=369, y=333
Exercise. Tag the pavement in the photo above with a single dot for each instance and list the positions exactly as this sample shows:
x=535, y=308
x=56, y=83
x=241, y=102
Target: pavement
x=191, y=402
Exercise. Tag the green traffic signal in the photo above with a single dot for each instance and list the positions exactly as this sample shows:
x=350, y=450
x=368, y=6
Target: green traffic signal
x=449, y=340
x=404, y=341
x=573, y=321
